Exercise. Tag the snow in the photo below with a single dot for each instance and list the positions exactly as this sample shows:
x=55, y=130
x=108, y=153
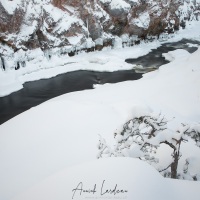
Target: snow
x=75, y=40
x=61, y=133
x=120, y=4
x=188, y=7
x=140, y=181
x=8, y=83
x=57, y=14
x=194, y=161
x=26, y=31
x=10, y=6
x=63, y=19
x=105, y=1
x=117, y=44
x=66, y=24
x=177, y=54
x=142, y=21
x=99, y=41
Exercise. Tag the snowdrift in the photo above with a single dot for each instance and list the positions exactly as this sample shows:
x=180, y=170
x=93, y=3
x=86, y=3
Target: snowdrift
x=113, y=178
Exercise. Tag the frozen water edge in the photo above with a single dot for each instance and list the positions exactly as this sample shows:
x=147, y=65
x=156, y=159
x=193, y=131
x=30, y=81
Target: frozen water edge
x=106, y=60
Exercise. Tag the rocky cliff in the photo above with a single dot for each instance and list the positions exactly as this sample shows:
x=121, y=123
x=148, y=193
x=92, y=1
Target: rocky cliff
x=71, y=25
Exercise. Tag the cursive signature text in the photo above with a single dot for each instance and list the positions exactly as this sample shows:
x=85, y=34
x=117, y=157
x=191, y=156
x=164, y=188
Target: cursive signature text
x=103, y=190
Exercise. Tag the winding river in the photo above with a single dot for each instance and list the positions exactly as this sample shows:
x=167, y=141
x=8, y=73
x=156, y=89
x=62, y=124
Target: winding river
x=37, y=92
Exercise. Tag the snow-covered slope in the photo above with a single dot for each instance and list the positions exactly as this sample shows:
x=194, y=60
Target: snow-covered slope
x=64, y=131
x=114, y=178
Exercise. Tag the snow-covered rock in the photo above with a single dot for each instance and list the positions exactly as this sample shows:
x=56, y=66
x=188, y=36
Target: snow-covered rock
x=50, y=24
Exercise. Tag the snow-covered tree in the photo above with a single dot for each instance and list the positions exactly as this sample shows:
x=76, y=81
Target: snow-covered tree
x=142, y=136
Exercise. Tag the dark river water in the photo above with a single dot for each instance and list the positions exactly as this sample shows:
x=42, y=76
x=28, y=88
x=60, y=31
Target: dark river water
x=36, y=92
x=154, y=58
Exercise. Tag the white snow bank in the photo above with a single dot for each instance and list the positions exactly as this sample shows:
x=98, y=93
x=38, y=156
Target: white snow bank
x=176, y=54
x=192, y=31
x=10, y=6
x=120, y=4
x=123, y=178
x=9, y=83
x=142, y=21
x=117, y=44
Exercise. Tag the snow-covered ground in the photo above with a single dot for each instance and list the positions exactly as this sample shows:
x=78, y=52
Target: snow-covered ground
x=126, y=178
x=63, y=132
x=107, y=60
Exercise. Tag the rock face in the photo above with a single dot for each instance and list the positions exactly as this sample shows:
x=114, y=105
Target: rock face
x=75, y=24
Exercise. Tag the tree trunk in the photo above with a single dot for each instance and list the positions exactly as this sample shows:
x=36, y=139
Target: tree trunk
x=174, y=166
x=2, y=63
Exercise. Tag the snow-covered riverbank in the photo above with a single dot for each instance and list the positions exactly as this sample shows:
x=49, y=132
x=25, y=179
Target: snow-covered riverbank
x=106, y=60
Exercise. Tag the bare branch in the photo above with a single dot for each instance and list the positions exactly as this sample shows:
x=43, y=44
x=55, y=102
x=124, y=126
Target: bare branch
x=165, y=168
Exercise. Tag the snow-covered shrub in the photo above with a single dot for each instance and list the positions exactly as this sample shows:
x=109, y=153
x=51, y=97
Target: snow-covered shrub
x=141, y=137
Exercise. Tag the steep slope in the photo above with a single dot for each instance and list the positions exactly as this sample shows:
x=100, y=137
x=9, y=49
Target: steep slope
x=71, y=23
